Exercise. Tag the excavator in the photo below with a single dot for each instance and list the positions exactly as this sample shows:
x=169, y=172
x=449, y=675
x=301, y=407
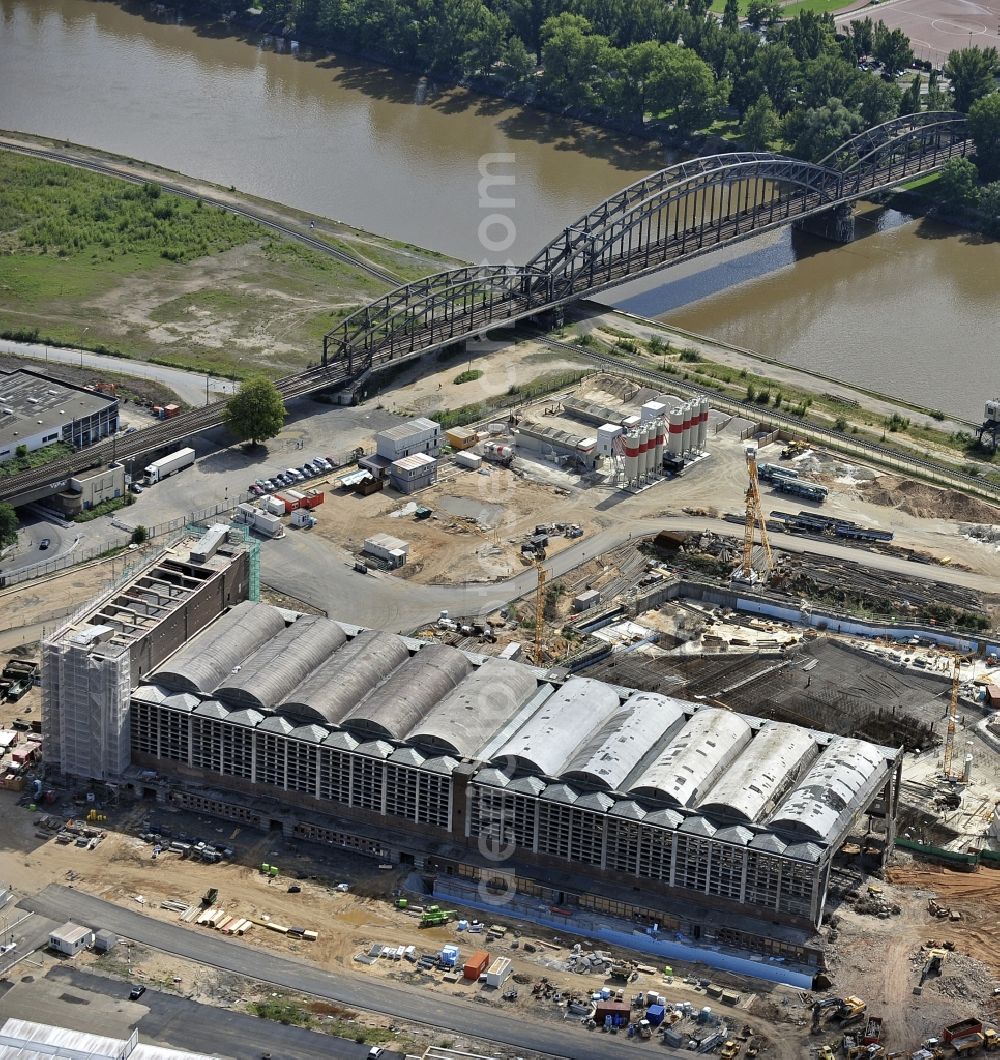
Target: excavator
x=846, y=1010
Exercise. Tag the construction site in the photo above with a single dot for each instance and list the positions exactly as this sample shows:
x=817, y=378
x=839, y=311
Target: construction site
x=744, y=755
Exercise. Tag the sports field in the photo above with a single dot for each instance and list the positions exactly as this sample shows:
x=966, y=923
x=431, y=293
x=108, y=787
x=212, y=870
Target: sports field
x=936, y=27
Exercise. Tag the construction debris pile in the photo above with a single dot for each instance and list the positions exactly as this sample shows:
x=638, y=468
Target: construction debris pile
x=874, y=903
x=602, y=963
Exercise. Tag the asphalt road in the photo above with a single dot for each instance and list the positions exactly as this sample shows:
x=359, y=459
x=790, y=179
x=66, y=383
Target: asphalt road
x=302, y=566
x=406, y=1003
x=32, y=530
x=188, y=386
x=168, y=1019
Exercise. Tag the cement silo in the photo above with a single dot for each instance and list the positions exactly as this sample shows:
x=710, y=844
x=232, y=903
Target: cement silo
x=703, y=426
x=661, y=444
x=676, y=417
x=645, y=434
x=688, y=423
x=631, y=451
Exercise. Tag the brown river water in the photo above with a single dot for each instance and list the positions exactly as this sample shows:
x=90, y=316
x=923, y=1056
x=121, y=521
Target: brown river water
x=911, y=307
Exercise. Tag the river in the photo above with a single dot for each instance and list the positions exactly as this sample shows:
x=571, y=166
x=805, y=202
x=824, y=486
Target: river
x=910, y=307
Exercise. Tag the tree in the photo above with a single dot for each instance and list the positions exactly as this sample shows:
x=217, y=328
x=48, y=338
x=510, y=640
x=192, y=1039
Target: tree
x=762, y=13
x=878, y=101
x=989, y=206
x=809, y=35
x=892, y=49
x=139, y=535
x=731, y=15
x=8, y=524
x=971, y=72
x=863, y=35
x=909, y=102
x=760, y=126
x=984, y=121
x=935, y=97
x=821, y=129
x=828, y=77
x=777, y=73
x=256, y=412
x=958, y=182
x=517, y=60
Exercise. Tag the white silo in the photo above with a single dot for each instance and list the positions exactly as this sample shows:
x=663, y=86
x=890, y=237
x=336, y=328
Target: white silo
x=703, y=425
x=688, y=420
x=661, y=444
x=676, y=417
x=631, y=444
x=646, y=436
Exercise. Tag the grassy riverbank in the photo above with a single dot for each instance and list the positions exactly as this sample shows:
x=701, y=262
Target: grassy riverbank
x=879, y=419
x=91, y=260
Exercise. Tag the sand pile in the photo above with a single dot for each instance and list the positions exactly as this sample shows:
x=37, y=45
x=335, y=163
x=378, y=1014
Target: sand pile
x=928, y=502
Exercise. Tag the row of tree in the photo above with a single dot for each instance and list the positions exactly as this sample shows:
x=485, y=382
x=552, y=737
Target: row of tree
x=623, y=60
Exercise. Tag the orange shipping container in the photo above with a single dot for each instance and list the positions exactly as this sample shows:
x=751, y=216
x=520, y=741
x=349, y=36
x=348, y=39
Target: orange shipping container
x=477, y=964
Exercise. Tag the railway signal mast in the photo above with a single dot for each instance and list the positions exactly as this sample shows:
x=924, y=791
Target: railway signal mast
x=745, y=572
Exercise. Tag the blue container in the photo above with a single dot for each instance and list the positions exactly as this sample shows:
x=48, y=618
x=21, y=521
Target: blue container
x=655, y=1014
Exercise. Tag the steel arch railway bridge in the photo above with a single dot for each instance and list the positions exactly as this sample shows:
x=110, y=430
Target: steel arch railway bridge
x=674, y=215
x=664, y=219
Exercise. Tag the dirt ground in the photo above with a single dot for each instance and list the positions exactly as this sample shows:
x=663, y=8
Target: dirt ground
x=120, y=869
x=928, y=502
x=881, y=960
x=475, y=532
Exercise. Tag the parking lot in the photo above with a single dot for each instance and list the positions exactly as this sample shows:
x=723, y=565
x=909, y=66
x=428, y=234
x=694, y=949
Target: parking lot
x=936, y=27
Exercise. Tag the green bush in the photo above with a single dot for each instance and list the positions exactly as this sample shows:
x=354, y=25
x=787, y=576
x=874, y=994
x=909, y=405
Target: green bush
x=467, y=376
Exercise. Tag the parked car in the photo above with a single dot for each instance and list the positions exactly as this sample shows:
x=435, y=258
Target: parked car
x=375, y=1052
x=323, y=463
x=44, y=544
x=136, y=488
x=307, y=471
x=255, y=490
x=136, y=992
x=294, y=474
x=270, y=484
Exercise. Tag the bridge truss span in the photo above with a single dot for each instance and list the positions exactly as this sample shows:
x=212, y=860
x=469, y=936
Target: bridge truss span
x=435, y=310
x=682, y=211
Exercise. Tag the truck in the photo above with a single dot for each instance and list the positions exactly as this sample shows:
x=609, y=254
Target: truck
x=969, y=1043
x=167, y=466
x=770, y=472
x=962, y=1028
x=873, y=1030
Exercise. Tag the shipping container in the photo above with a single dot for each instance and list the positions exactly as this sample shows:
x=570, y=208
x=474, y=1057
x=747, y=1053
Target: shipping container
x=476, y=964
x=469, y=460
x=312, y=499
x=499, y=972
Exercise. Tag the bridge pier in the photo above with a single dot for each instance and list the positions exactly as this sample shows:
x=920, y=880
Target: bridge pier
x=835, y=225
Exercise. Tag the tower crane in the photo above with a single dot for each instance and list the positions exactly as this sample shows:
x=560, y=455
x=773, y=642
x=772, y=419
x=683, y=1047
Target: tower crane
x=754, y=517
x=949, y=740
x=539, y=613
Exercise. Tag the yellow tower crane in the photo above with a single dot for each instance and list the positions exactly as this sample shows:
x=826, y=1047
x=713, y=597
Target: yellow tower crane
x=949, y=740
x=539, y=613
x=754, y=517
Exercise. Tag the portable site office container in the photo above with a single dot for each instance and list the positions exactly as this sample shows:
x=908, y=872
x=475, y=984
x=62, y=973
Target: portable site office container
x=70, y=939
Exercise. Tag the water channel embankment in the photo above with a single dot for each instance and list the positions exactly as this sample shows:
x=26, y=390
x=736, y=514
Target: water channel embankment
x=910, y=307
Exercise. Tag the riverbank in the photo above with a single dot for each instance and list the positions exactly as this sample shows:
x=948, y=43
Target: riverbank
x=199, y=278
x=729, y=368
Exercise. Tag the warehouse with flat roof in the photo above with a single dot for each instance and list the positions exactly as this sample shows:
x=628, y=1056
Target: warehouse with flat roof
x=403, y=747
x=36, y=411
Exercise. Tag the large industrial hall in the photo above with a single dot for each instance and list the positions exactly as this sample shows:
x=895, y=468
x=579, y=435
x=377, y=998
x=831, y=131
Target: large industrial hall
x=416, y=751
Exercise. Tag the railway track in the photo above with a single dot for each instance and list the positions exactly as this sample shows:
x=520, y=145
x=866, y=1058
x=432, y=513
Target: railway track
x=241, y=211
x=836, y=439
x=159, y=435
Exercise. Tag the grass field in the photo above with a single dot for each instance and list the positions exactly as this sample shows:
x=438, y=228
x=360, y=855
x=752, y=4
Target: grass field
x=94, y=261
